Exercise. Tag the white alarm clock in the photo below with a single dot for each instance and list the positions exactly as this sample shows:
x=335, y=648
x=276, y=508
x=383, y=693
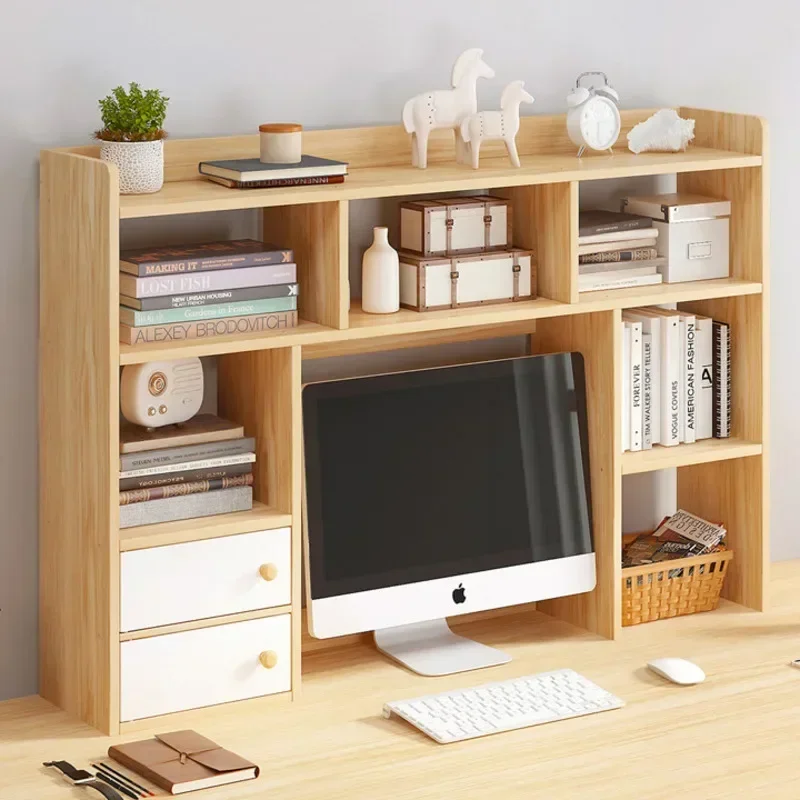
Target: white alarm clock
x=161, y=393
x=593, y=117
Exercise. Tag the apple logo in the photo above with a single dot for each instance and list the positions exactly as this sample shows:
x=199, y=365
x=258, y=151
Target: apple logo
x=460, y=594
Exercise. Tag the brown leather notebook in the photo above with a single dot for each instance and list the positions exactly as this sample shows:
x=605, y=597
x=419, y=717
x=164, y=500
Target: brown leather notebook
x=183, y=761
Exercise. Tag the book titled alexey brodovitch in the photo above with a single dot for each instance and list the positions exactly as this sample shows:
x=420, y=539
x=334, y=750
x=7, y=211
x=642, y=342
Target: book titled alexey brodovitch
x=195, y=257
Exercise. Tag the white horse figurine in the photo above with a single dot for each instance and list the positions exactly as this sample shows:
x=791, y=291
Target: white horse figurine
x=484, y=126
x=446, y=108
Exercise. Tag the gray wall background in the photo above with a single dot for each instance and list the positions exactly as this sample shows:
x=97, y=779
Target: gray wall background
x=229, y=66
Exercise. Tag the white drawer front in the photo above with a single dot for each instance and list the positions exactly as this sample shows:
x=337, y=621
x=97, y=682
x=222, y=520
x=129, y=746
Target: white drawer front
x=204, y=667
x=199, y=580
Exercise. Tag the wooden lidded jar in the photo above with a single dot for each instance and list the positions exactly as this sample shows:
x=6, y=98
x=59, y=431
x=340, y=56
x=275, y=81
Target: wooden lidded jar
x=281, y=142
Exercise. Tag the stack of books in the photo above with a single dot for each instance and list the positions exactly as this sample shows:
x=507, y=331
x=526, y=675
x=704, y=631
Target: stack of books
x=198, y=469
x=676, y=378
x=203, y=290
x=616, y=250
x=251, y=173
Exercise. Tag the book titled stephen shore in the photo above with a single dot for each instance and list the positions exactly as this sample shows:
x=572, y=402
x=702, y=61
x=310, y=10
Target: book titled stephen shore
x=195, y=257
x=208, y=329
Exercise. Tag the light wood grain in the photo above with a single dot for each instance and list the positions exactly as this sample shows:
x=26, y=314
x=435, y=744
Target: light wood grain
x=193, y=625
x=546, y=221
x=260, y=518
x=597, y=337
x=295, y=424
x=386, y=145
x=732, y=737
x=79, y=437
x=704, y=451
x=192, y=196
x=319, y=236
x=405, y=322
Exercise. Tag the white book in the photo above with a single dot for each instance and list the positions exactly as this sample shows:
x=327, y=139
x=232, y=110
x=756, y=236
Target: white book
x=626, y=387
x=689, y=387
x=671, y=372
x=647, y=390
x=618, y=283
x=182, y=466
x=635, y=329
x=620, y=236
x=651, y=325
x=704, y=377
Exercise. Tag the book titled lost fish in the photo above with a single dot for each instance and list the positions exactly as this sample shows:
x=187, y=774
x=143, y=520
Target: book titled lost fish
x=197, y=257
x=195, y=313
x=216, y=280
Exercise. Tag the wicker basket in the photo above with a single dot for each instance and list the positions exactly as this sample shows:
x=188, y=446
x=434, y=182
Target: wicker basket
x=673, y=588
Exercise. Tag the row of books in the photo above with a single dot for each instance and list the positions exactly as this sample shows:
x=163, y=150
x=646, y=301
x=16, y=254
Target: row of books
x=201, y=468
x=205, y=290
x=616, y=250
x=676, y=378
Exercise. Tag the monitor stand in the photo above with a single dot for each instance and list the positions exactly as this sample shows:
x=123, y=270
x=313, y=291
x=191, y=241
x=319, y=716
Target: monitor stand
x=431, y=648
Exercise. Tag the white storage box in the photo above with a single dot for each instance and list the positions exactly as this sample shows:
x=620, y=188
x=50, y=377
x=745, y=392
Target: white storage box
x=693, y=234
x=471, y=280
x=455, y=225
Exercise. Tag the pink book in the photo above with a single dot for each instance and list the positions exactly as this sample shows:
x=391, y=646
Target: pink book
x=185, y=283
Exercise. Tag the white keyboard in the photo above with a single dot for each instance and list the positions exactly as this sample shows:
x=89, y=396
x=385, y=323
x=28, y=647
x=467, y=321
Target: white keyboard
x=504, y=706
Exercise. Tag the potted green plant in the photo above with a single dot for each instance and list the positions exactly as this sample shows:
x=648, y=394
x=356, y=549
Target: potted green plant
x=132, y=137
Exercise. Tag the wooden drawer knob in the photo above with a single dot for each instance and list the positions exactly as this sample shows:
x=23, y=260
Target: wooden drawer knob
x=268, y=572
x=268, y=659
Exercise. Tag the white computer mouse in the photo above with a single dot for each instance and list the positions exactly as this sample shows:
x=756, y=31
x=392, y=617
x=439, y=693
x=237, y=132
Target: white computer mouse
x=678, y=670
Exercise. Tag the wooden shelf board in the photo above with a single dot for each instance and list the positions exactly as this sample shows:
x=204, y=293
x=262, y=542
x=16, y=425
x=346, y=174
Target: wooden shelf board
x=683, y=455
x=260, y=518
x=193, y=196
x=405, y=322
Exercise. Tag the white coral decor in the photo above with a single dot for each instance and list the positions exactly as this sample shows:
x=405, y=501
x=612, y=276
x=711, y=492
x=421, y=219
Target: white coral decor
x=141, y=165
x=665, y=131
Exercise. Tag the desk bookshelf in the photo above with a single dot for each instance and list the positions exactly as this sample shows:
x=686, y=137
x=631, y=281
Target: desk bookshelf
x=80, y=542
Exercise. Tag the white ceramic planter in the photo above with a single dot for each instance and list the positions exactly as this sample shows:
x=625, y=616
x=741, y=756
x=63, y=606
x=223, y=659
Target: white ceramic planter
x=141, y=165
x=380, y=276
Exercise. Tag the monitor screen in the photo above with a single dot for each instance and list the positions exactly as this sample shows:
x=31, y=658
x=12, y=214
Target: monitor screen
x=434, y=473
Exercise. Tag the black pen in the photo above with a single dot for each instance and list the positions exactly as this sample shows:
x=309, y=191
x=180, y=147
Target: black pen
x=120, y=776
x=118, y=786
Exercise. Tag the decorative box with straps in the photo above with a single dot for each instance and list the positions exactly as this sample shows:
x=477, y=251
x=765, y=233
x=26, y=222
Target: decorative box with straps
x=455, y=225
x=466, y=280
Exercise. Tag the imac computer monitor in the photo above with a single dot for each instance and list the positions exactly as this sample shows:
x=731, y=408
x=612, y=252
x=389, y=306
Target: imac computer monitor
x=444, y=491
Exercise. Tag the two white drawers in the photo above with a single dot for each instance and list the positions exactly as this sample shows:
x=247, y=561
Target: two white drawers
x=198, y=581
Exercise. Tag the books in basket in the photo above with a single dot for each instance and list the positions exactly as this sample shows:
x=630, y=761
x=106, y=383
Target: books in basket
x=245, y=170
x=231, y=254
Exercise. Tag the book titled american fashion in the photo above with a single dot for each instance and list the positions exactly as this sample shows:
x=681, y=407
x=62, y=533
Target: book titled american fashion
x=181, y=489
x=593, y=222
x=190, y=506
x=192, y=452
x=252, y=169
x=181, y=466
x=208, y=329
x=187, y=476
x=197, y=257
x=319, y=180
x=245, y=308
x=160, y=285
x=209, y=298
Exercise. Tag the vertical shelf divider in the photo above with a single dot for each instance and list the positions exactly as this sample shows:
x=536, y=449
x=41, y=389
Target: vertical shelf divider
x=318, y=234
x=545, y=220
x=598, y=337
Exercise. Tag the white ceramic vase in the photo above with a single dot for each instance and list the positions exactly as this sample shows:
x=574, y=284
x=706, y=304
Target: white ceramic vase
x=141, y=165
x=380, y=276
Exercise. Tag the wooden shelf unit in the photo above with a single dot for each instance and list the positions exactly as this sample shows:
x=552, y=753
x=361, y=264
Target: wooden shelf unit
x=260, y=376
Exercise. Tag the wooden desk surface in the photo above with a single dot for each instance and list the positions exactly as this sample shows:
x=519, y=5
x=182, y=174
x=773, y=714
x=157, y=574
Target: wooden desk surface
x=735, y=736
